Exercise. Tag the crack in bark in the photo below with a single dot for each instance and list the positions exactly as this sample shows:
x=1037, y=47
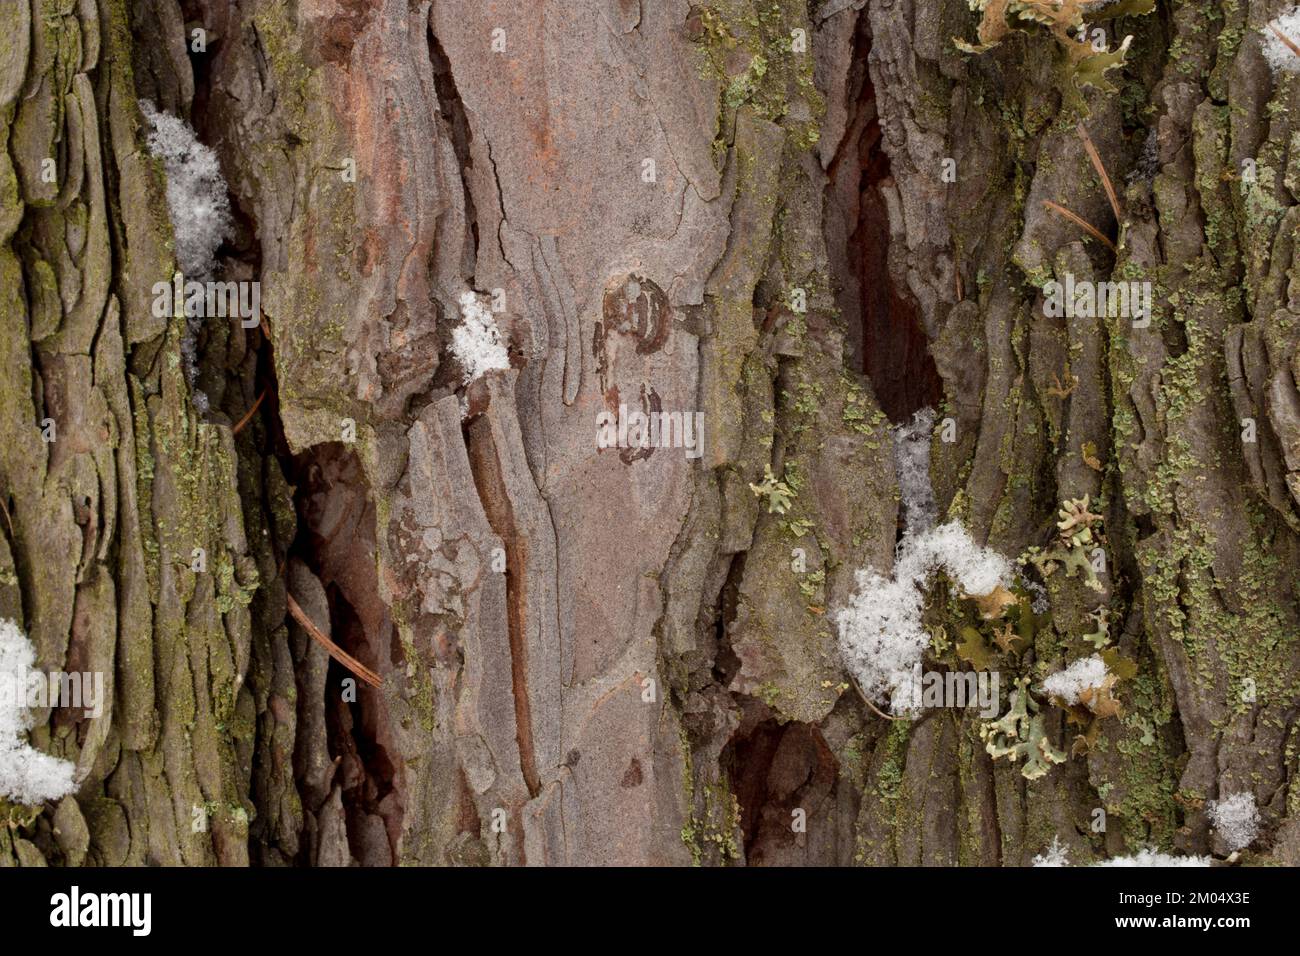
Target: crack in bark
x=452, y=109
x=486, y=467
x=889, y=340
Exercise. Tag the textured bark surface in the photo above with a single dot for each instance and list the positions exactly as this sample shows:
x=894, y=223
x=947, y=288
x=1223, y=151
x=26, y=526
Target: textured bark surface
x=595, y=657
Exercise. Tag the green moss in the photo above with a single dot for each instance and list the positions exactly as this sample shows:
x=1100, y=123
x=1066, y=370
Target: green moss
x=689, y=833
x=886, y=789
x=775, y=74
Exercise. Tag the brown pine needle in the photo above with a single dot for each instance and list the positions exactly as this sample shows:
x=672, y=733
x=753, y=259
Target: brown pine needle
x=336, y=652
x=1106, y=184
x=867, y=700
x=1290, y=44
x=249, y=414
x=880, y=712
x=1083, y=224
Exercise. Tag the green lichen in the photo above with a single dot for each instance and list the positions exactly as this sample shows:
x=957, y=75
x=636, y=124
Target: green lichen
x=1086, y=64
x=778, y=493
x=1020, y=735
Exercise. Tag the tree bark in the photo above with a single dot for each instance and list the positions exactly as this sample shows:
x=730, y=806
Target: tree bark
x=625, y=656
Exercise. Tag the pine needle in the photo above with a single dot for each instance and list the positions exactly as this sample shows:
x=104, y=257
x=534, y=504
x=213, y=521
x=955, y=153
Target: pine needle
x=1095, y=158
x=867, y=700
x=1083, y=224
x=1290, y=44
x=336, y=652
x=251, y=412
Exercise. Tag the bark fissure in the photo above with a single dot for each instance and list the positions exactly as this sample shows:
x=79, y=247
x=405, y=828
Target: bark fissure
x=335, y=544
x=490, y=486
x=885, y=329
x=452, y=109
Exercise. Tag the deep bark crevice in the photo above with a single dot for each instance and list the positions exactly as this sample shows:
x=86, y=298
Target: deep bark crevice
x=773, y=767
x=726, y=665
x=884, y=327
x=781, y=773
x=452, y=110
x=335, y=541
x=224, y=353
